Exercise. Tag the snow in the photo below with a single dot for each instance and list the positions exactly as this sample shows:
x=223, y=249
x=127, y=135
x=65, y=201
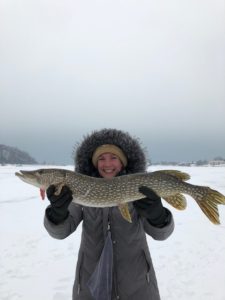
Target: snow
x=189, y=264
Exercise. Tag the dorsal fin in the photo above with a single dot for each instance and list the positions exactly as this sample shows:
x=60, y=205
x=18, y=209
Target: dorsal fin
x=178, y=174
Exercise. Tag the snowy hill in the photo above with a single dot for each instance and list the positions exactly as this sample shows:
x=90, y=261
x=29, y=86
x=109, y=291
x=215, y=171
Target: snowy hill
x=12, y=155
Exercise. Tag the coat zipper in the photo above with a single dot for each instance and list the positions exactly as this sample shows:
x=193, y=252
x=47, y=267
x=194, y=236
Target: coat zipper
x=114, y=261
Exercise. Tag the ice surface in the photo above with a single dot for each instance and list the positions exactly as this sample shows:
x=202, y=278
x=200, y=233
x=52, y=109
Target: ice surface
x=190, y=265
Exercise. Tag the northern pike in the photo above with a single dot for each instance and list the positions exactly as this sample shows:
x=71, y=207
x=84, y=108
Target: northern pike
x=118, y=191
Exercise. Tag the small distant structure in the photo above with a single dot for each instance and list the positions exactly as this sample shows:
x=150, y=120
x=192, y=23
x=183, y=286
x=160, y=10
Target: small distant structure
x=184, y=164
x=217, y=162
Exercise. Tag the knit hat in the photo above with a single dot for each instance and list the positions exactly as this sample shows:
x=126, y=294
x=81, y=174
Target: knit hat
x=109, y=148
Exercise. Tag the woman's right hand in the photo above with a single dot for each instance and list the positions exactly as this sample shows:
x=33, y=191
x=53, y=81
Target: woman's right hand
x=57, y=212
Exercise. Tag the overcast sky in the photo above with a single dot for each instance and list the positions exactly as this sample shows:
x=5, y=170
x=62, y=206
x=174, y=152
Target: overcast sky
x=153, y=68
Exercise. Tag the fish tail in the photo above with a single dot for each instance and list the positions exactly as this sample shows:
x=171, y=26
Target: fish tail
x=208, y=200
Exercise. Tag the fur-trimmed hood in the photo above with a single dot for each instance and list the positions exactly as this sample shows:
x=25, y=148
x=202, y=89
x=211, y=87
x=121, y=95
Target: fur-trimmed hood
x=130, y=146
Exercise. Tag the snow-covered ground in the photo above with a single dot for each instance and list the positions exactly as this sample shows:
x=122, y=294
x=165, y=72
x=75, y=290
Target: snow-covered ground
x=189, y=265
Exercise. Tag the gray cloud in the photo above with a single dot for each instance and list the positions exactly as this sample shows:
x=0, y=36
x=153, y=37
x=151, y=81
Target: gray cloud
x=155, y=69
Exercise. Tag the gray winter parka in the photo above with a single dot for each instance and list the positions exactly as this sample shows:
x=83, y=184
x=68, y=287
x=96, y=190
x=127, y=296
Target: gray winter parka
x=133, y=273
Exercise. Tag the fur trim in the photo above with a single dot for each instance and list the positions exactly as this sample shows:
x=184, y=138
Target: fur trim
x=131, y=147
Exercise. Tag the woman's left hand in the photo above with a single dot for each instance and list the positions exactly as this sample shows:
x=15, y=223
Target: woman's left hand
x=150, y=207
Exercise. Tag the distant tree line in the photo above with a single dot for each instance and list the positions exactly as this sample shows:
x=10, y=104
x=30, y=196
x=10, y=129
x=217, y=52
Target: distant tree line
x=202, y=162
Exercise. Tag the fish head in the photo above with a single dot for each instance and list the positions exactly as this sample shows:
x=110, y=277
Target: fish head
x=41, y=178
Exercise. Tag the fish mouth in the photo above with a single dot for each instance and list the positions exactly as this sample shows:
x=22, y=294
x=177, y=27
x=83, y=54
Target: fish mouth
x=27, y=176
x=22, y=174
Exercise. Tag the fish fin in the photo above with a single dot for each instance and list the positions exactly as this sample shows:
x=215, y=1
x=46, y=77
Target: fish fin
x=124, y=210
x=42, y=193
x=58, y=188
x=209, y=203
x=178, y=201
x=178, y=174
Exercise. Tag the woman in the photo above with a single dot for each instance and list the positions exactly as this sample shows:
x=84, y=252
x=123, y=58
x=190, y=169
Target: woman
x=114, y=260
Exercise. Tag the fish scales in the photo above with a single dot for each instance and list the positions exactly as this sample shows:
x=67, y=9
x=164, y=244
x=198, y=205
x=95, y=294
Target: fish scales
x=100, y=192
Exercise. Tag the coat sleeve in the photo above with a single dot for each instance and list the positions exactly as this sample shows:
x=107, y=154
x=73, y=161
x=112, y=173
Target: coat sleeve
x=161, y=233
x=67, y=227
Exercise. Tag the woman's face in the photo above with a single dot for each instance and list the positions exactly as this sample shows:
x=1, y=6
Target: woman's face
x=109, y=165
